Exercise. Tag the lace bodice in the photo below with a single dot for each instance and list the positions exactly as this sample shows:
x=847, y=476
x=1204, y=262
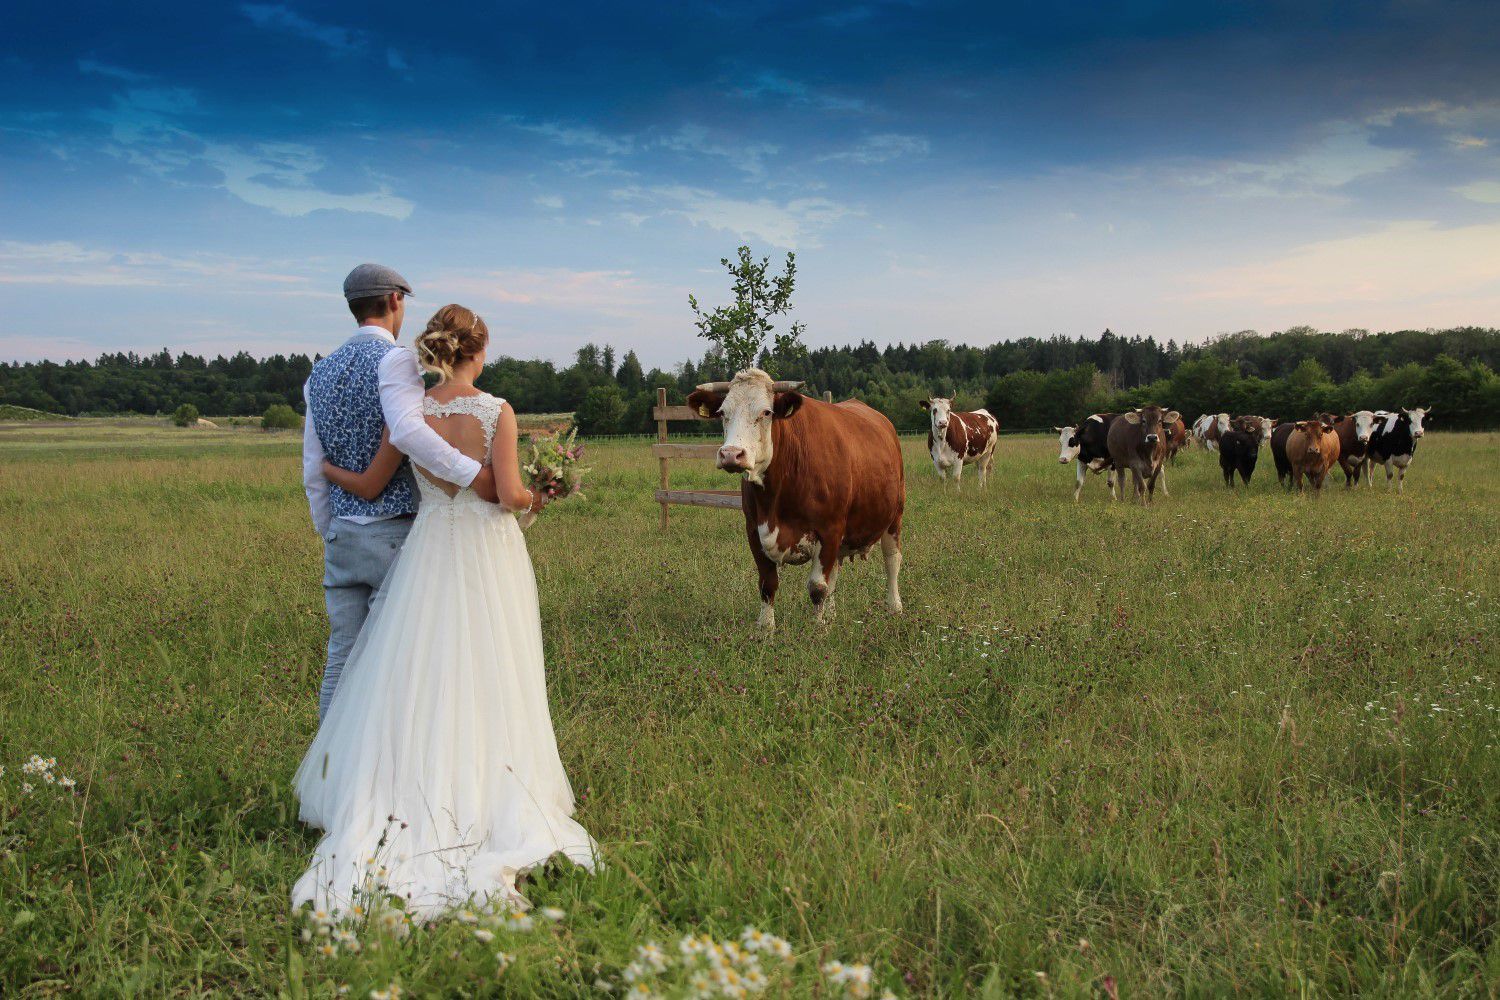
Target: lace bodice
x=482, y=407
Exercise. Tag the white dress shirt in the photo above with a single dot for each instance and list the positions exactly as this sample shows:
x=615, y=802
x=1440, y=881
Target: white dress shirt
x=401, y=393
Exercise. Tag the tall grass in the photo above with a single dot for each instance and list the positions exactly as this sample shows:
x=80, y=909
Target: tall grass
x=1235, y=742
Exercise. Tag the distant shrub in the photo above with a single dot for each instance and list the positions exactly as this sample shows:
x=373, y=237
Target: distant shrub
x=601, y=411
x=280, y=417
x=185, y=415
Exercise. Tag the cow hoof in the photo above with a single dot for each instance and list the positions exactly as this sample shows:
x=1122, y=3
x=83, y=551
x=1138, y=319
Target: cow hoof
x=767, y=620
x=895, y=607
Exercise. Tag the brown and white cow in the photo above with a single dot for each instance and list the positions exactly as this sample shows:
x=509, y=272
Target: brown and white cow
x=1207, y=428
x=1354, y=441
x=1138, y=442
x=956, y=439
x=1312, y=449
x=822, y=481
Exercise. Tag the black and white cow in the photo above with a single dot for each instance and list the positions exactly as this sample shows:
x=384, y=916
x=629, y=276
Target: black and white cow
x=1088, y=445
x=1393, y=442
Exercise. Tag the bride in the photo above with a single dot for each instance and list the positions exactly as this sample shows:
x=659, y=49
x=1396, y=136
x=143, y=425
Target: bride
x=435, y=775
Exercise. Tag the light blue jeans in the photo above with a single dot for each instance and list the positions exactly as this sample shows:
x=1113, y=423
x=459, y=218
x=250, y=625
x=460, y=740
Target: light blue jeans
x=356, y=559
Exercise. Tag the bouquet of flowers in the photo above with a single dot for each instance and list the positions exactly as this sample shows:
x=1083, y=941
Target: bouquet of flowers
x=555, y=467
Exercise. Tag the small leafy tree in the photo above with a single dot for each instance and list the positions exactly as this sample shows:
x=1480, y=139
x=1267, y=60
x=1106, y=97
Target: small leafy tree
x=280, y=417
x=740, y=331
x=185, y=415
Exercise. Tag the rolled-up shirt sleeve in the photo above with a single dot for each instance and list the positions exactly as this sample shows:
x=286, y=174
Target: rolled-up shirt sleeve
x=401, y=393
x=313, y=483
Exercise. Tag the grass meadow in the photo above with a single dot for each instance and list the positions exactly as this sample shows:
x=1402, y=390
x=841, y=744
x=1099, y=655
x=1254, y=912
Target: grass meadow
x=1235, y=743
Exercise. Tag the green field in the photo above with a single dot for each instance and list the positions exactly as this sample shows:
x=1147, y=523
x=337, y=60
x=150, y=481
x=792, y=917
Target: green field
x=1234, y=743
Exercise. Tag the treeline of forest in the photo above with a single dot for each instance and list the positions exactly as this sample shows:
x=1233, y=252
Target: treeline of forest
x=1028, y=383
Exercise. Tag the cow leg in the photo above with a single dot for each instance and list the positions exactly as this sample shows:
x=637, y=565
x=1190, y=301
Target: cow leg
x=958, y=475
x=1078, y=487
x=1228, y=471
x=1388, y=473
x=1162, y=474
x=769, y=581
x=890, y=548
x=984, y=470
x=825, y=572
x=1139, y=482
x=1400, y=478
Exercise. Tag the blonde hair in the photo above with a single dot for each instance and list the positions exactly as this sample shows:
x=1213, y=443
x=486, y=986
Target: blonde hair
x=453, y=336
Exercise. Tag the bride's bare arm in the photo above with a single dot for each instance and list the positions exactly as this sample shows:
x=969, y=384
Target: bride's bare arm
x=368, y=484
x=506, y=466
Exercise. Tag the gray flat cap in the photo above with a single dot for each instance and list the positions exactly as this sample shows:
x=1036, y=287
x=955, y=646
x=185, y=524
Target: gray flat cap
x=374, y=279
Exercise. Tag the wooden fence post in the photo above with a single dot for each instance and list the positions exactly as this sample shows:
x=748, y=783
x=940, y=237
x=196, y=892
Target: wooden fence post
x=661, y=438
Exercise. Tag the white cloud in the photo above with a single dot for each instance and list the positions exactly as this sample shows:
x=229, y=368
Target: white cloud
x=1486, y=192
x=554, y=287
x=548, y=201
x=277, y=176
x=749, y=157
x=882, y=148
x=791, y=224
x=62, y=262
x=276, y=17
x=1405, y=263
x=579, y=135
x=770, y=84
x=96, y=68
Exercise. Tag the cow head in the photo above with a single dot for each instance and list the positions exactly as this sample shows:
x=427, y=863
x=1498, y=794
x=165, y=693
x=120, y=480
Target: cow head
x=1364, y=424
x=1313, y=431
x=1222, y=421
x=1152, y=420
x=1414, y=416
x=939, y=409
x=747, y=405
x=1067, y=442
x=1260, y=427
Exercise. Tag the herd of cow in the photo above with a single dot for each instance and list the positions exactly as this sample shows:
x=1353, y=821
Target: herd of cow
x=1143, y=440
x=831, y=485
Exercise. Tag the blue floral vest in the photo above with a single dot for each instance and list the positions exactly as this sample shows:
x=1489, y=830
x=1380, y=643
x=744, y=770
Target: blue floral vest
x=343, y=399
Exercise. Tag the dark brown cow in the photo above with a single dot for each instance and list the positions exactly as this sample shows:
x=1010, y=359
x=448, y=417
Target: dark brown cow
x=1312, y=449
x=956, y=439
x=1354, y=441
x=1138, y=442
x=822, y=481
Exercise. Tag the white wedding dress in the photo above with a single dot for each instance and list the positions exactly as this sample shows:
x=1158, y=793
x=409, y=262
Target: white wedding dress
x=435, y=773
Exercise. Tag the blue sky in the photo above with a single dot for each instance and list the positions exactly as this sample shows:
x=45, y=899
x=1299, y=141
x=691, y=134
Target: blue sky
x=202, y=176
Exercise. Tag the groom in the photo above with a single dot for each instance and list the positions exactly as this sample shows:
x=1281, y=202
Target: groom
x=366, y=385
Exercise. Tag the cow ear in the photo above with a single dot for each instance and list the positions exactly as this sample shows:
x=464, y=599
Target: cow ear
x=1131, y=417
x=786, y=404
x=1172, y=417
x=926, y=404
x=705, y=403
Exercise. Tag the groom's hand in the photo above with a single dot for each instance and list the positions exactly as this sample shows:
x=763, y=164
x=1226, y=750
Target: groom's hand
x=484, y=485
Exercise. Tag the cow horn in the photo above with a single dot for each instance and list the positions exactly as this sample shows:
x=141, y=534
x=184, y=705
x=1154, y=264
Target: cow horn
x=714, y=387
x=785, y=386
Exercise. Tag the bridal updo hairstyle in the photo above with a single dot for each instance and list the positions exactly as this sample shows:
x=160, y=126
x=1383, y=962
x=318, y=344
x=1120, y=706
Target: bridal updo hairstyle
x=453, y=336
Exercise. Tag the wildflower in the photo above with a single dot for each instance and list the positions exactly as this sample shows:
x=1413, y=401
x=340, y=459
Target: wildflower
x=652, y=955
x=66, y=782
x=603, y=985
x=467, y=917
x=754, y=939
x=25, y=788
x=633, y=971
x=328, y=949
x=553, y=914
x=503, y=960
x=518, y=921
x=640, y=991
x=483, y=936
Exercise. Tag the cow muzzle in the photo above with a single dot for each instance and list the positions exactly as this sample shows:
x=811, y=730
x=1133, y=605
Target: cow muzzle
x=1152, y=438
x=733, y=459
